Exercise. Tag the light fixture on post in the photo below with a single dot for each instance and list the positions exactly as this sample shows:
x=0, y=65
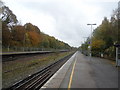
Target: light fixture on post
x=91, y=40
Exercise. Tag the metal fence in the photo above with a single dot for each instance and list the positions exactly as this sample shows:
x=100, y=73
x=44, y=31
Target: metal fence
x=15, y=48
x=22, y=49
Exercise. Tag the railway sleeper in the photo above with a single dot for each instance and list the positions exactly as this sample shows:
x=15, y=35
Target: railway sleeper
x=37, y=81
x=43, y=82
x=29, y=80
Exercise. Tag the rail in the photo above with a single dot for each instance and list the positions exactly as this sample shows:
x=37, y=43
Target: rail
x=36, y=80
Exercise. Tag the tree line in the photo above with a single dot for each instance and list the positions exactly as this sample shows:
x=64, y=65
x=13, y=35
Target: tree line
x=28, y=36
x=104, y=37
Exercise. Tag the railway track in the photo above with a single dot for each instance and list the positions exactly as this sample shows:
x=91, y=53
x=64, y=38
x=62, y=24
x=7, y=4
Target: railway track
x=36, y=80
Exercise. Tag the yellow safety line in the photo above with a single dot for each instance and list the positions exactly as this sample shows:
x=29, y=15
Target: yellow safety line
x=71, y=76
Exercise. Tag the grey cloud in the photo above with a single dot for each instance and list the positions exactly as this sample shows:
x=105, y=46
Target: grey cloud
x=70, y=19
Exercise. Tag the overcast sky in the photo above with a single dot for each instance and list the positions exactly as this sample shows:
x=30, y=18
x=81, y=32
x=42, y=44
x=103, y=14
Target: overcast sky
x=66, y=20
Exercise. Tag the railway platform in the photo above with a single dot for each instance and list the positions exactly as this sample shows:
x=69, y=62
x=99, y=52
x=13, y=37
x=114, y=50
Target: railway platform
x=81, y=72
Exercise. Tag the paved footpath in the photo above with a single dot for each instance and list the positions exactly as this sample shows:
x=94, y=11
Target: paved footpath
x=81, y=72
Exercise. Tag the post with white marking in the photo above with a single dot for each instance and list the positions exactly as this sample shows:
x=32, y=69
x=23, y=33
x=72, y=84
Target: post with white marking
x=117, y=54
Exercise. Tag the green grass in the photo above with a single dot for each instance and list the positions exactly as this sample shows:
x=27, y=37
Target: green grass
x=16, y=70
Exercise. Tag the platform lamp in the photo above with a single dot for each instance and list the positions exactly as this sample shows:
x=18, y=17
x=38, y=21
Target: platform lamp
x=91, y=40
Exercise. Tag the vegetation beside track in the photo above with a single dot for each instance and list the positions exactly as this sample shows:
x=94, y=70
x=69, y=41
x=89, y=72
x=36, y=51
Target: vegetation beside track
x=14, y=71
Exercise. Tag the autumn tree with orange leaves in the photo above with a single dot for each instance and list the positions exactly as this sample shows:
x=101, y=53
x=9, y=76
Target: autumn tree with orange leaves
x=26, y=36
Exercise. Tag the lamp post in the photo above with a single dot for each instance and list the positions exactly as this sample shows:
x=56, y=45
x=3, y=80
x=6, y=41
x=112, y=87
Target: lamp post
x=91, y=40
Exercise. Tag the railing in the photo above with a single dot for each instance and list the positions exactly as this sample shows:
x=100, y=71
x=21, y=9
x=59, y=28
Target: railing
x=22, y=49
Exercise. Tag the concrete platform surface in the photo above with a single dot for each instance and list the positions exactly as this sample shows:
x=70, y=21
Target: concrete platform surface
x=81, y=72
